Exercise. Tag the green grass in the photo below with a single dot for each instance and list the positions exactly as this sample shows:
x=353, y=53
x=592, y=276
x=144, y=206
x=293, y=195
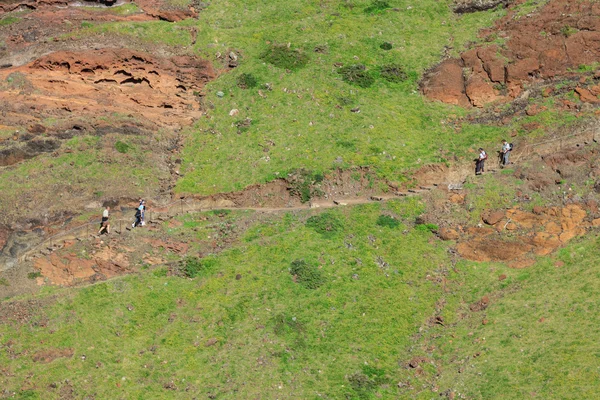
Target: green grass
x=339, y=330
x=86, y=164
x=307, y=112
x=8, y=20
x=540, y=335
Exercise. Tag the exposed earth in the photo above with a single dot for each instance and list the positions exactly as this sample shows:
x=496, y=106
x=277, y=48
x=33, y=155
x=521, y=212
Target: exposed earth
x=562, y=37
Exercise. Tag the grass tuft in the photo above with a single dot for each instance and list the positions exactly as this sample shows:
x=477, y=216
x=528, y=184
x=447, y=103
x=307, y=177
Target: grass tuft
x=284, y=57
x=307, y=275
x=247, y=81
x=357, y=74
x=327, y=224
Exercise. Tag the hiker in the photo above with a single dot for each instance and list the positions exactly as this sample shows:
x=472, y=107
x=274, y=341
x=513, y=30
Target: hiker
x=143, y=210
x=480, y=162
x=505, y=152
x=104, y=225
x=138, y=216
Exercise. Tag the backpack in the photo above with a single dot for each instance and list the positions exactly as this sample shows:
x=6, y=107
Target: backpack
x=138, y=212
x=510, y=147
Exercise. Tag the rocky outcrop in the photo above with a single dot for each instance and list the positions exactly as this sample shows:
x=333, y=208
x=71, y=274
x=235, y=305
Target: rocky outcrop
x=469, y=6
x=534, y=233
x=561, y=36
x=161, y=91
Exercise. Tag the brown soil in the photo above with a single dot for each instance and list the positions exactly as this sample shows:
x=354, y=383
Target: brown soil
x=49, y=355
x=159, y=92
x=557, y=38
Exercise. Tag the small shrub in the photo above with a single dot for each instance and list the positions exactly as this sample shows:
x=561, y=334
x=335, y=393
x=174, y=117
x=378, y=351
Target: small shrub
x=86, y=24
x=4, y=282
x=356, y=74
x=385, y=46
x=307, y=275
x=393, y=73
x=367, y=380
x=122, y=147
x=192, y=267
x=33, y=275
x=327, y=224
x=243, y=125
x=221, y=213
x=160, y=272
x=247, y=81
x=282, y=56
x=427, y=227
x=377, y=7
x=387, y=221
x=303, y=184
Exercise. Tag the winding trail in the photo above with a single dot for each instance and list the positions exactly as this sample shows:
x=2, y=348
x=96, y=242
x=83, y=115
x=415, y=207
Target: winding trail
x=159, y=213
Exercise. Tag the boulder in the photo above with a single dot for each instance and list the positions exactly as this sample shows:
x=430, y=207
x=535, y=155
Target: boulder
x=493, y=218
x=445, y=83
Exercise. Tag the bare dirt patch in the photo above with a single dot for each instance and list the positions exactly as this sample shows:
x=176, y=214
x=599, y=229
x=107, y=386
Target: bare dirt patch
x=49, y=355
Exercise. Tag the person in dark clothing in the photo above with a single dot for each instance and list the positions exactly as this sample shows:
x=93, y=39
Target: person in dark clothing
x=480, y=162
x=138, y=217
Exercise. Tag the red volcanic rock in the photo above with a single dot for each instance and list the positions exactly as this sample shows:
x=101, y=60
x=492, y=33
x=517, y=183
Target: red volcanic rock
x=155, y=89
x=480, y=91
x=560, y=36
x=446, y=84
x=586, y=96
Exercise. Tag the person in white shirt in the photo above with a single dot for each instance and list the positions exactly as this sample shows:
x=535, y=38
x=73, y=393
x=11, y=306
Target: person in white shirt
x=480, y=162
x=104, y=225
x=506, y=149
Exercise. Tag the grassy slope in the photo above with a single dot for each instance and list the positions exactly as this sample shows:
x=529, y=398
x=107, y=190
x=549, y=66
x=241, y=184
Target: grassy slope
x=158, y=336
x=270, y=331
x=307, y=112
x=540, y=336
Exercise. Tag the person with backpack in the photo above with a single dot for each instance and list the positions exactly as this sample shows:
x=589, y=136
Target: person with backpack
x=505, y=152
x=138, y=215
x=480, y=162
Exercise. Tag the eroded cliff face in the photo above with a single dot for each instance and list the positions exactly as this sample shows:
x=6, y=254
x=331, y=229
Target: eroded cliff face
x=558, y=38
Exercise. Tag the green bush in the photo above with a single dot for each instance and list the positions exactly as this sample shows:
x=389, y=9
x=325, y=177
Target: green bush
x=327, y=224
x=377, y=7
x=393, y=73
x=302, y=183
x=282, y=56
x=247, y=81
x=192, y=267
x=356, y=74
x=122, y=147
x=365, y=381
x=427, y=227
x=307, y=275
x=388, y=221
x=386, y=46
x=33, y=275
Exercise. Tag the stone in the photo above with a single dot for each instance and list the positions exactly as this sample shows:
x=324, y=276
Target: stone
x=480, y=91
x=493, y=218
x=586, y=96
x=448, y=234
x=446, y=83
